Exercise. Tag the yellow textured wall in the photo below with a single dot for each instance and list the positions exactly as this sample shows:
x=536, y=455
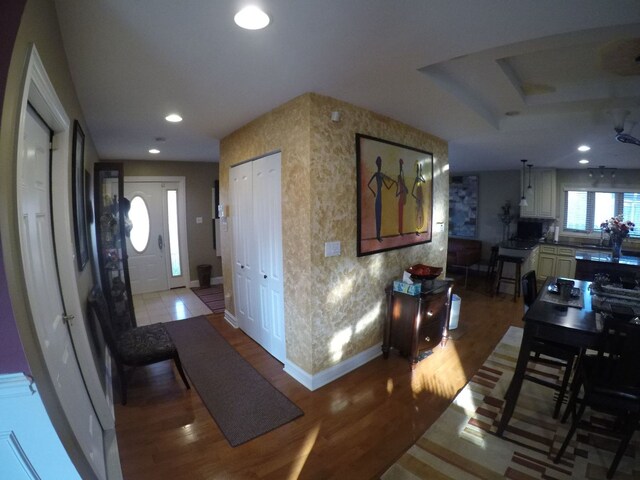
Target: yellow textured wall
x=287, y=129
x=334, y=306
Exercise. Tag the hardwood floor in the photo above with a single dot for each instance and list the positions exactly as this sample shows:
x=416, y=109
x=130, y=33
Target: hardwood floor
x=355, y=427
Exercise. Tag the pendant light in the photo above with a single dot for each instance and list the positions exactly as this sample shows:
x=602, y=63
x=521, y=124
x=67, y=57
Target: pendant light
x=523, y=201
x=529, y=187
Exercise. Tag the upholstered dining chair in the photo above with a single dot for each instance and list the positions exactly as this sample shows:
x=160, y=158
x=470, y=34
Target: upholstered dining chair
x=133, y=346
x=545, y=352
x=611, y=384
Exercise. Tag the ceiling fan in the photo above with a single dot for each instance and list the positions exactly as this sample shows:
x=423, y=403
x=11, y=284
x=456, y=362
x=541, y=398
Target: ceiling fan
x=619, y=116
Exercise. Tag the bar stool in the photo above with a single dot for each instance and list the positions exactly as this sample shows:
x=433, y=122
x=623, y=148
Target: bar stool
x=493, y=261
x=517, y=261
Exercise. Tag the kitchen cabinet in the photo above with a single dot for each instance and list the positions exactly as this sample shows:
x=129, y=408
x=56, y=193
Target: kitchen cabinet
x=556, y=261
x=416, y=324
x=541, y=197
x=112, y=247
x=529, y=254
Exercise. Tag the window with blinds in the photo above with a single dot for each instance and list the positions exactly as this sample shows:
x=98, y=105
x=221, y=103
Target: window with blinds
x=585, y=210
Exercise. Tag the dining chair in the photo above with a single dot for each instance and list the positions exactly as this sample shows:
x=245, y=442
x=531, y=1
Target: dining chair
x=611, y=384
x=133, y=346
x=545, y=352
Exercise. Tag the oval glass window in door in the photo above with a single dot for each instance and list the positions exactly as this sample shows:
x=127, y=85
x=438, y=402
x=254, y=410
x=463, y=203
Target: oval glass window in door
x=139, y=216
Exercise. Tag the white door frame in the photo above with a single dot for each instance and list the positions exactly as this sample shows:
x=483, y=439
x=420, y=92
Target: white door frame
x=182, y=218
x=39, y=92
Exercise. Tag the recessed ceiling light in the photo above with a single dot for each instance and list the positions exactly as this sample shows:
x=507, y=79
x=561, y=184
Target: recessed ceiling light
x=173, y=118
x=584, y=148
x=251, y=18
x=154, y=151
x=583, y=161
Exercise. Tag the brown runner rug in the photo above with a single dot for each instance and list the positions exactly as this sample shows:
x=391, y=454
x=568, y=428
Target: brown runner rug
x=240, y=400
x=462, y=443
x=212, y=297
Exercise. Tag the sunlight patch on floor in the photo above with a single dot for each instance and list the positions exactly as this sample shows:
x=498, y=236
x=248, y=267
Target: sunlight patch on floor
x=425, y=378
x=389, y=386
x=305, y=450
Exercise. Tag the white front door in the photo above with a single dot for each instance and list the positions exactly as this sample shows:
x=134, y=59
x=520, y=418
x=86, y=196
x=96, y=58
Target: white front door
x=45, y=300
x=162, y=262
x=147, y=266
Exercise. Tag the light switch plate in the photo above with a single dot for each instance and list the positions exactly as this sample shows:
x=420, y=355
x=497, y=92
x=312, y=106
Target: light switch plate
x=198, y=219
x=332, y=249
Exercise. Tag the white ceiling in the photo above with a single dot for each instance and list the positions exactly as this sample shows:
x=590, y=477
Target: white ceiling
x=449, y=67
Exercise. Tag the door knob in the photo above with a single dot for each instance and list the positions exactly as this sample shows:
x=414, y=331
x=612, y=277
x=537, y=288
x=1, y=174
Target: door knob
x=265, y=276
x=241, y=266
x=160, y=244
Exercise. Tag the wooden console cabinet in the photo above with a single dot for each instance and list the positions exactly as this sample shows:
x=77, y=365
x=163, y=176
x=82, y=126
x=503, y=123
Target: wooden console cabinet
x=417, y=323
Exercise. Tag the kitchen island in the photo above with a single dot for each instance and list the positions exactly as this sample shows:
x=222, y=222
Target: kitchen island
x=525, y=249
x=588, y=263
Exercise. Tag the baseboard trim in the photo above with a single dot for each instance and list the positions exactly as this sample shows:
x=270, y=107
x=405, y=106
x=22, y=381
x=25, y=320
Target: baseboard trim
x=328, y=375
x=212, y=281
x=231, y=320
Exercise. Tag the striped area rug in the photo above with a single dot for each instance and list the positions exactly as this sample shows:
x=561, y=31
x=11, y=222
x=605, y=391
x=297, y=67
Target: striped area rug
x=462, y=443
x=212, y=297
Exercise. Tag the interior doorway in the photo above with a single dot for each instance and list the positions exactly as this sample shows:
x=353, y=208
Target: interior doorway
x=69, y=376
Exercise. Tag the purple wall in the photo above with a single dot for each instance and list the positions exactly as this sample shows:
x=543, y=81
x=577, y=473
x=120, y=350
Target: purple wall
x=12, y=357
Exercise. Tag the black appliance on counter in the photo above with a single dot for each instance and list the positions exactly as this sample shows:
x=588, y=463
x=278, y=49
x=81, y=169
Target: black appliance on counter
x=529, y=230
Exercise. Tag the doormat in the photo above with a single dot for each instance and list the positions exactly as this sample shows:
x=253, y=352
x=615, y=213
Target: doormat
x=240, y=400
x=212, y=297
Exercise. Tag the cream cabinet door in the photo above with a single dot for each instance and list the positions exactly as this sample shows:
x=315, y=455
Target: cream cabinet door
x=566, y=267
x=546, y=266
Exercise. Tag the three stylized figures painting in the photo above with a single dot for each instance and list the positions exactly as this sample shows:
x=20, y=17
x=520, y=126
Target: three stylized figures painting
x=392, y=212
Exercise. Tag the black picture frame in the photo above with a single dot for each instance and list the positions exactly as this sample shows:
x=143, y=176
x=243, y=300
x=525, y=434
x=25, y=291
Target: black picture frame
x=79, y=210
x=392, y=213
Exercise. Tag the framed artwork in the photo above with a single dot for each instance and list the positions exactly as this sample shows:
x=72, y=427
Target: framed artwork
x=395, y=195
x=79, y=210
x=463, y=206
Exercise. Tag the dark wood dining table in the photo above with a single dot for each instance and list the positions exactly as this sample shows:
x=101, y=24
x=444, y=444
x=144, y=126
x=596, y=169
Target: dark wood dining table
x=579, y=327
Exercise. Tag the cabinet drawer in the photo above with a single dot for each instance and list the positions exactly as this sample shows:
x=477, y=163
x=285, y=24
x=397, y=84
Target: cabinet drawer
x=430, y=334
x=548, y=249
x=567, y=251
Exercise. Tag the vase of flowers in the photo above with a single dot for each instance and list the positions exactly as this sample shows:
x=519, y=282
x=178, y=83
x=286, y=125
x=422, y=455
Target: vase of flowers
x=618, y=230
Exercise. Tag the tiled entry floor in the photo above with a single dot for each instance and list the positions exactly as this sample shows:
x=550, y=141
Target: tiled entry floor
x=176, y=304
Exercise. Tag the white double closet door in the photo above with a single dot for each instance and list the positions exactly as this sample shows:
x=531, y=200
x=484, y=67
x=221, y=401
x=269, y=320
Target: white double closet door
x=257, y=237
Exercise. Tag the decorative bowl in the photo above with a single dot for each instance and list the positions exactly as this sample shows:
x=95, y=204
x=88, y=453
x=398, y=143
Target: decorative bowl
x=424, y=272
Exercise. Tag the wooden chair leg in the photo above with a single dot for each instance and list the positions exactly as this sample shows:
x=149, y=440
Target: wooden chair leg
x=630, y=428
x=178, y=363
x=572, y=431
x=516, y=283
x=563, y=387
x=498, y=275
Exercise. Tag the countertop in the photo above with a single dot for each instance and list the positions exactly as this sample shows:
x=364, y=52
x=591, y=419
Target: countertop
x=605, y=257
x=519, y=244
